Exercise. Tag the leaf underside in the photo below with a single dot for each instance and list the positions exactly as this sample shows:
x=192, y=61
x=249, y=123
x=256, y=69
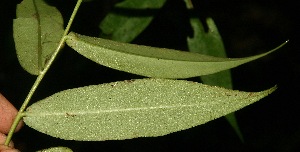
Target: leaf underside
x=37, y=31
x=134, y=108
x=56, y=149
x=151, y=61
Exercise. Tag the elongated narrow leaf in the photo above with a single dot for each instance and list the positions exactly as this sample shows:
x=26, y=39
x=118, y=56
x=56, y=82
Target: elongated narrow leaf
x=56, y=149
x=129, y=18
x=37, y=31
x=150, y=61
x=134, y=108
x=210, y=43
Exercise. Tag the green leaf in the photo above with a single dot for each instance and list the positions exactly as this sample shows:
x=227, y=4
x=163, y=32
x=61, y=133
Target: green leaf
x=134, y=108
x=37, y=31
x=129, y=18
x=210, y=43
x=151, y=61
x=56, y=149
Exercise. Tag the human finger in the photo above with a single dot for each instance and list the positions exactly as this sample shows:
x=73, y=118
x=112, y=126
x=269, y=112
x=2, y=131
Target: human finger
x=7, y=115
x=2, y=140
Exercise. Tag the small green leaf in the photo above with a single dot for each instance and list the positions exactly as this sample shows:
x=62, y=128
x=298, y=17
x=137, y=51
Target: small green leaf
x=56, y=149
x=37, y=31
x=150, y=61
x=210, y=43
x=129, y=18
x=134, y=108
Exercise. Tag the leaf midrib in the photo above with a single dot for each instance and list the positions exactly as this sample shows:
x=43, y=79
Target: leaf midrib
x=76, y=113
x=39, y=32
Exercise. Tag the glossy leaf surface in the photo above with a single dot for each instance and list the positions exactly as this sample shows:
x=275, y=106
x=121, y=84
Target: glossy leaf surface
x=129, y=18
x=151, y=61
x=37, y=31
x=134, y=108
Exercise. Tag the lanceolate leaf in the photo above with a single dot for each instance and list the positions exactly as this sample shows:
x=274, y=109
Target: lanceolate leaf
x=129, y=18
x=134, y=108
x=150, y=61
x=37, y=31
x=210, y=43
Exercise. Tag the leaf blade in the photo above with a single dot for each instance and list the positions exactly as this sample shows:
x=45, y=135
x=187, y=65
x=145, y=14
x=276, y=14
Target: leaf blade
x=210, y=43
x=37, y=31
x=150, y=61
x=133, y=108
x=128, y=19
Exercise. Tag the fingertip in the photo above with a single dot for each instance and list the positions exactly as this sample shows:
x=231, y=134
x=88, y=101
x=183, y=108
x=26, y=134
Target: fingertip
x=7, y=115
x=4, y=148
x=2, y=141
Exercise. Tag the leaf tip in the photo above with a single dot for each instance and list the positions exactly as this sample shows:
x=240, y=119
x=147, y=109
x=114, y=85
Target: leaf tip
x=271, y=90
x=286, y=41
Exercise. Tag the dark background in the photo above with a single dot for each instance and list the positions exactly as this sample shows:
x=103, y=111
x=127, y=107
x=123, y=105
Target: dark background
x=248, y=27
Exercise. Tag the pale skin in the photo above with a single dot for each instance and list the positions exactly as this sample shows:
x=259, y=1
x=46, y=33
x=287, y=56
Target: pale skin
x=7, y=114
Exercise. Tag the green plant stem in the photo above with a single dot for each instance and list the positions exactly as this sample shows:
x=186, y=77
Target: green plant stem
x=41, y=76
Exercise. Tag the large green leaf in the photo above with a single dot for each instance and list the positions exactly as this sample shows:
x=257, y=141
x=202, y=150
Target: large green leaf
x=129, y=18
x=134, y=108
x=151, y=61
x=37, y=31
x=210, y=43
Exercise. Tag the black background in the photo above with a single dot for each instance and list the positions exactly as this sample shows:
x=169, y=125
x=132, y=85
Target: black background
x=248, y=27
